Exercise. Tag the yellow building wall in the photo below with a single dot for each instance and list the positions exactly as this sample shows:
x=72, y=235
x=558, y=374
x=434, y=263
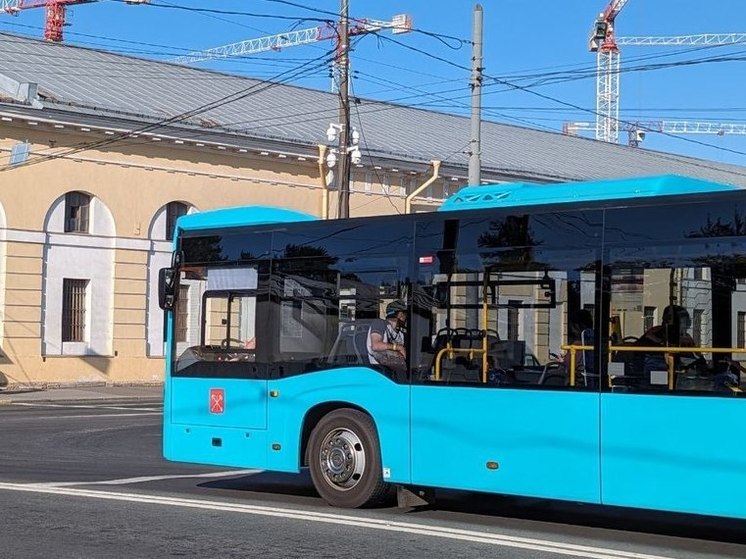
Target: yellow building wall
x=134, y=179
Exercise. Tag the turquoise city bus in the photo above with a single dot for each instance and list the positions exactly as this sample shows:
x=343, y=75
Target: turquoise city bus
x=581, y=342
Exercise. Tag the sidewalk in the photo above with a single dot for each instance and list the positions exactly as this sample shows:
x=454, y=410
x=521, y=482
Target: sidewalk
x=82, y=393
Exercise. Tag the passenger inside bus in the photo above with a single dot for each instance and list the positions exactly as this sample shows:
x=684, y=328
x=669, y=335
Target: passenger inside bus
x=672, y=332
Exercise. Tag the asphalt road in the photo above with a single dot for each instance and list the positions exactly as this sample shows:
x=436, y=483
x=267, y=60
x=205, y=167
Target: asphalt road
x=84, y=480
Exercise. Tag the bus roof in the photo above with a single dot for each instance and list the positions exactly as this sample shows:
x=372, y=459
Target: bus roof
x=244, y=215
x=484, y=196
x=527, y=194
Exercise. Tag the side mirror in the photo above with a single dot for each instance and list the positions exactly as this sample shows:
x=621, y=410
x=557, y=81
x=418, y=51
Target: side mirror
x=167, y=288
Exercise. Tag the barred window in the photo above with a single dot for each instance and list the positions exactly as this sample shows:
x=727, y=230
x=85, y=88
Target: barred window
x=77, y=206
x=741, y=329
x=73, y=309
x=174, y=211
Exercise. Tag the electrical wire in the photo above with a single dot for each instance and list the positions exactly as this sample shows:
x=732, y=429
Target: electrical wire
x=509, y=85
x=367, y=149
x=262, y=85
x=215, y=11
x=440, y=36
x=529, y=90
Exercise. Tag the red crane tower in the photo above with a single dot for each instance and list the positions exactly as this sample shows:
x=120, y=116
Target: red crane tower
x=54, y=20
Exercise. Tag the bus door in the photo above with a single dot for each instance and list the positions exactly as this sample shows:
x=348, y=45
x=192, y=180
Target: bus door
x=219, y=376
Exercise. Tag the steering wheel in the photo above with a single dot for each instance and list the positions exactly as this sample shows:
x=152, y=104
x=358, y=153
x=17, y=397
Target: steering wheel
x=231, y=342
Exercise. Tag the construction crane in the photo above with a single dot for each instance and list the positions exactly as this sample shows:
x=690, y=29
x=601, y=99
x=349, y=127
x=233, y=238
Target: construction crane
x=637, y=130
x=261, y=44
x=399, y=24
x=603, y=42
x=703, y=39
x=56, y=11
x=607, y=114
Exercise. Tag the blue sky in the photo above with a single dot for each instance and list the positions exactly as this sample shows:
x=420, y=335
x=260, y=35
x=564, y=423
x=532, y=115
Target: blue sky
x=522, y=38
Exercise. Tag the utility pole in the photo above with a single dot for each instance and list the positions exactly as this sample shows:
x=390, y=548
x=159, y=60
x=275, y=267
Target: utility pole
x=475, y=154
x=343, y=58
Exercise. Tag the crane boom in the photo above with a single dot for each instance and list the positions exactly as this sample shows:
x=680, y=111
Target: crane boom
x=636, y=130
x=684, y=40
x=398, y=24
x=261, y=44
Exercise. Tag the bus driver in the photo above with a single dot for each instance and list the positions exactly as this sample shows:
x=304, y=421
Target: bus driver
x=386, y=338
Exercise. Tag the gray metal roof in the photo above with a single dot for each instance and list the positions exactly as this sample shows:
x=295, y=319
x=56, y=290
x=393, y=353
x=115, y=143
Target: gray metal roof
x=104, y=85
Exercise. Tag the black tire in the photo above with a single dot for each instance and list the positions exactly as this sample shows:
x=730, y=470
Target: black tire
x=344, y=458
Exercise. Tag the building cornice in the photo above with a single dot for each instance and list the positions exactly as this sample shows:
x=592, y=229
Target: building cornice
x=192, y=136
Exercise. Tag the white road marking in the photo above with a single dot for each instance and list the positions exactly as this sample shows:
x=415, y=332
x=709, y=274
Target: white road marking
x=137, y=414
x=81, y=406
x=145, y=479
x=500, y=540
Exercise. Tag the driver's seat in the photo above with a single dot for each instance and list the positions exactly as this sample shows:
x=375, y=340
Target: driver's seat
x=350, y=347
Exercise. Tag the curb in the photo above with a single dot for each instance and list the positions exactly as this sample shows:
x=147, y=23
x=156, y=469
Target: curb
x=83, y=394
x=46, y=386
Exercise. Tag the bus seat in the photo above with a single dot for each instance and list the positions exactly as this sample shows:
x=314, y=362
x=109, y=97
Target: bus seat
x=350, y=347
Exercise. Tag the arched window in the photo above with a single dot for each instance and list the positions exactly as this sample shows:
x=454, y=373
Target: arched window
x=161, y=233
x=77, y=206
x=78, y=277
x=174, y=210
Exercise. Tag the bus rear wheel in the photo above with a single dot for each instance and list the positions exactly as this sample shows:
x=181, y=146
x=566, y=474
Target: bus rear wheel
x=344, y=458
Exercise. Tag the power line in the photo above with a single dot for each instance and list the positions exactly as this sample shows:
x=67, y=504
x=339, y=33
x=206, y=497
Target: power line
x=505, y=83
x=233, y=97
x=512, y=85
x=440, y=36
x=215, y=11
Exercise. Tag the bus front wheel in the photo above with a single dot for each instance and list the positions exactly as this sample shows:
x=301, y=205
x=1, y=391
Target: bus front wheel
x=345, y=460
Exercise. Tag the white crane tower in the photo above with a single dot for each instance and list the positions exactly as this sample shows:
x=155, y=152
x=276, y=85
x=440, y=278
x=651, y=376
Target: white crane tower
x=605, y=43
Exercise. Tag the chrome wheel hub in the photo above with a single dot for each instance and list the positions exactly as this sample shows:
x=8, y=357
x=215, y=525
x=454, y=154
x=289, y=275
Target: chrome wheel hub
x=342, y=459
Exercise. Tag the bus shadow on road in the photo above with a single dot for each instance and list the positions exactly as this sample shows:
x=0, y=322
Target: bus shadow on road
x=560, y=517
x=580, y=515
x=267, y=483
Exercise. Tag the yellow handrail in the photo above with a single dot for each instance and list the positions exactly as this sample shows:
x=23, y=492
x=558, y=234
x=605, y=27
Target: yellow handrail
x=649, y=349
x=484, y=341
x=573, y=359
x=450, y=349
